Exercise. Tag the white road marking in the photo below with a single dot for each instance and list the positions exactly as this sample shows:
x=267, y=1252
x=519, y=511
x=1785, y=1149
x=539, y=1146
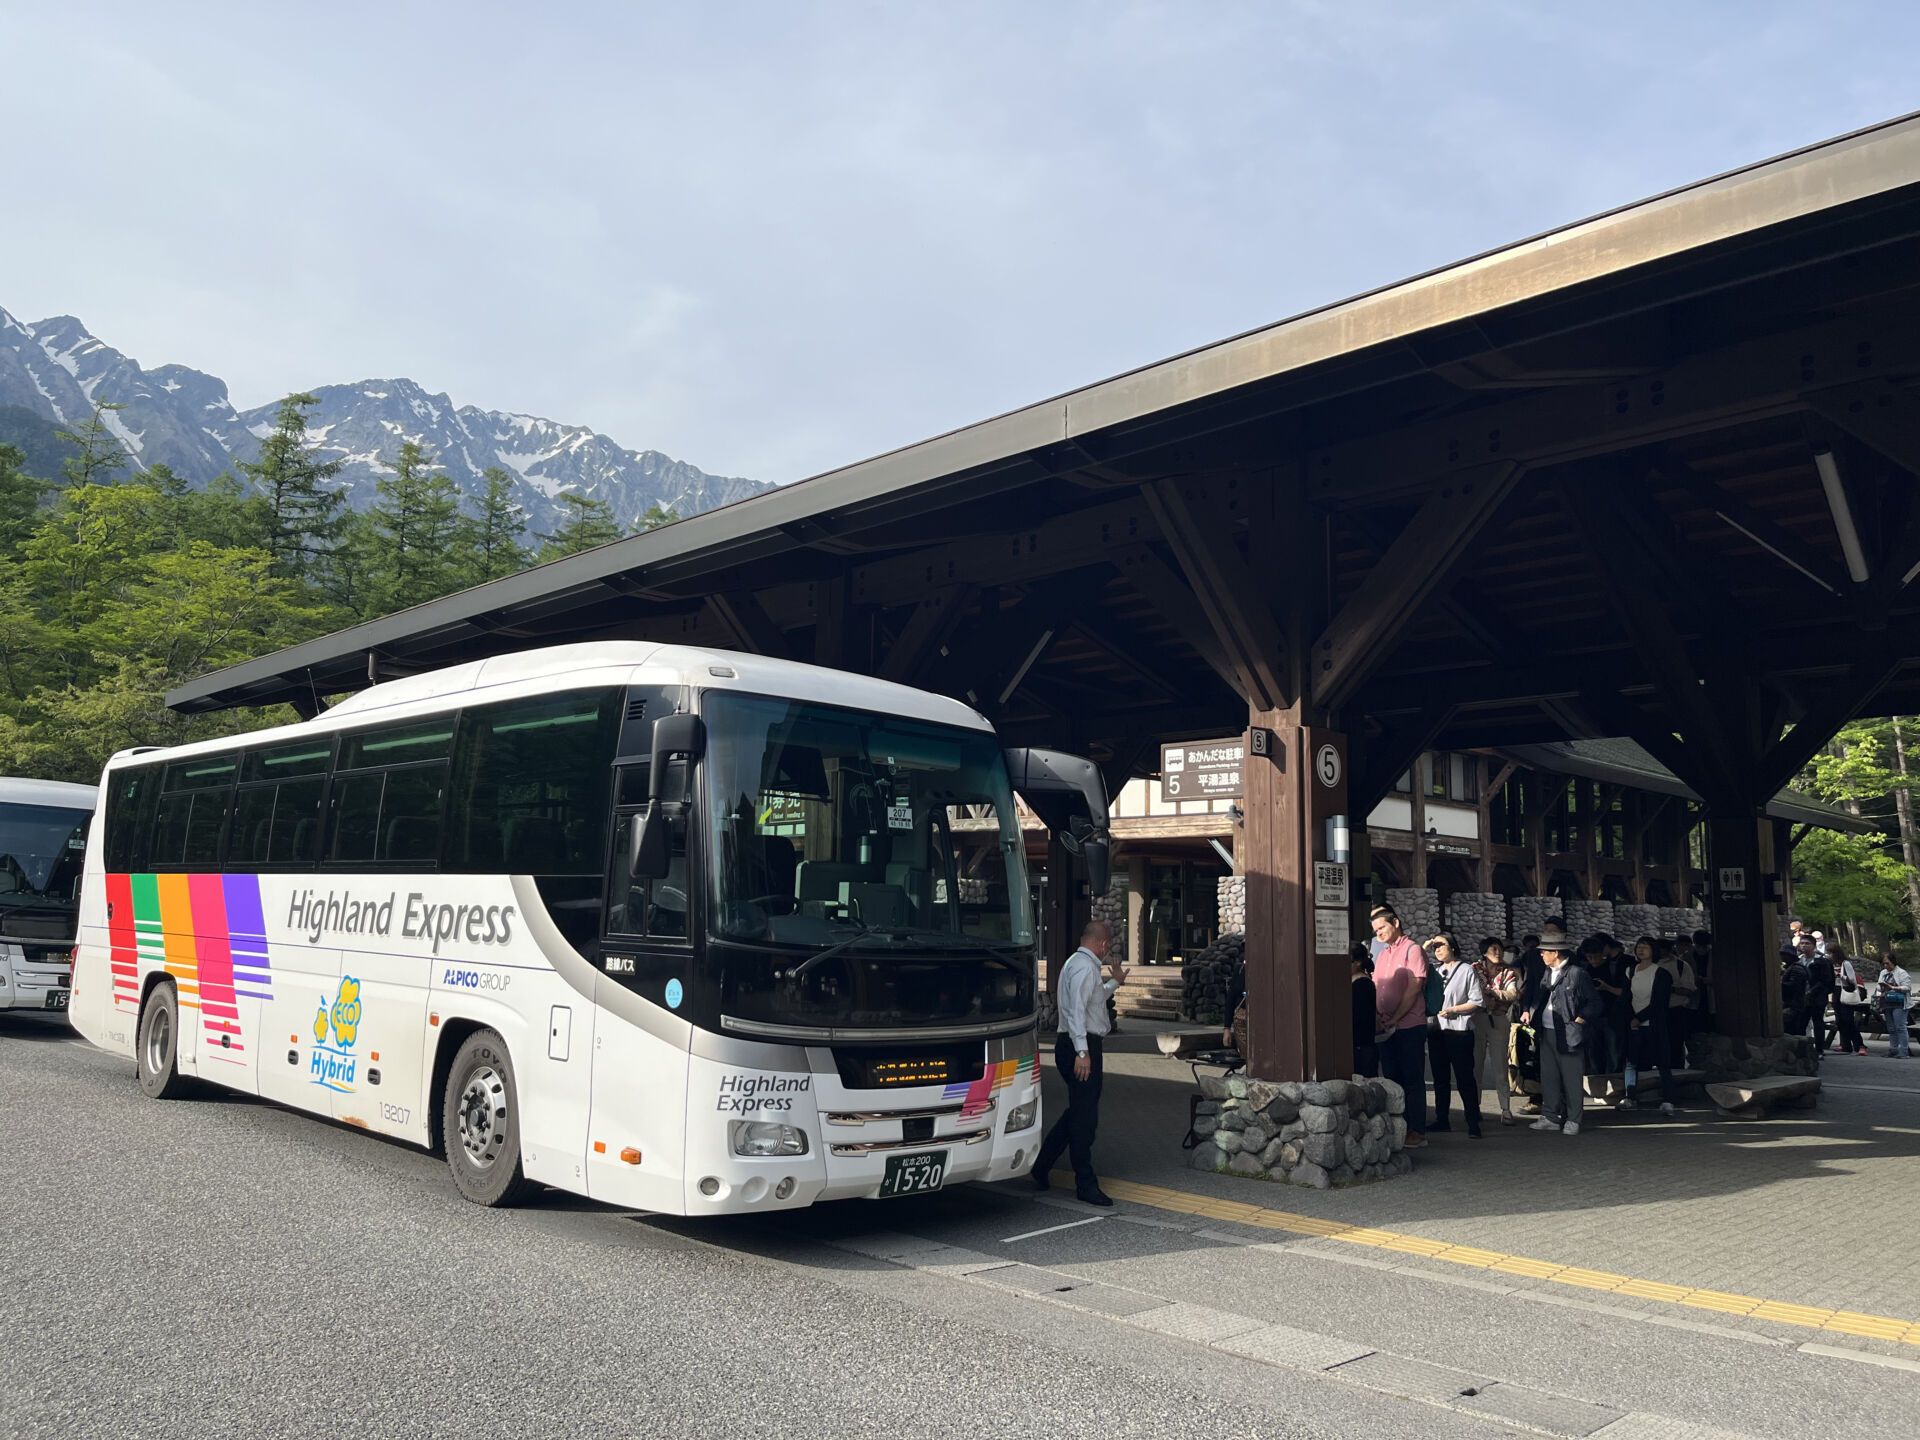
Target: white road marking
x=1054, y=1229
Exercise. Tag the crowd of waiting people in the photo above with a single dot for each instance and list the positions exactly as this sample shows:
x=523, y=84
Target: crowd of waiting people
x=1533, y=1022
x=1529, y=1022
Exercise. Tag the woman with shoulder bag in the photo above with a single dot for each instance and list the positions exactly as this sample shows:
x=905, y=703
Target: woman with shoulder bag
x=1849, y=999
x=1895, y=995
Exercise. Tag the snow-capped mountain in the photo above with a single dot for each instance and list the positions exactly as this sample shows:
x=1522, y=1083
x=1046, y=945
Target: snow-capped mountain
x=184, y=419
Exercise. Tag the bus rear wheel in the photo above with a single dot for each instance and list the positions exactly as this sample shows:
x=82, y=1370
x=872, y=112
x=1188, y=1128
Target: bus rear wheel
x=157, y=1054
x=480, y=1120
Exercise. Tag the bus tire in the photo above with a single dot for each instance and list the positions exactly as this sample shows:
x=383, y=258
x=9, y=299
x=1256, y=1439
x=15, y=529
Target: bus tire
x=480, y=1118
x=157, y=1055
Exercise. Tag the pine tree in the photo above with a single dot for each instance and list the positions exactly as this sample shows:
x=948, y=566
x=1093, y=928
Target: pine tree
x=587, y=523
x=493, y=537
x=100, y=455
x=19, y=499
x=416, y=527
x=306, y=512
x=655, y=517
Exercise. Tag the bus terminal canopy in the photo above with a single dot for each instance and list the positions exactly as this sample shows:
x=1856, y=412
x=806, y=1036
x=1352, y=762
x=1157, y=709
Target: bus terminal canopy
x=1652, y=475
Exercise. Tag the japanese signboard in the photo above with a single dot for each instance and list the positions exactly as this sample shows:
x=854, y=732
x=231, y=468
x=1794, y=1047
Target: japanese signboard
x=1202, y=770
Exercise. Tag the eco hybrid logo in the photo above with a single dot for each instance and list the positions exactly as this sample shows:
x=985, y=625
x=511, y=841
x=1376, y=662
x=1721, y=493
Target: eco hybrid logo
x=334, y=1065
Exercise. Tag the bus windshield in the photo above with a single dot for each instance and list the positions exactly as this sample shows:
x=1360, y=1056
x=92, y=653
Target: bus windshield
x=829, y=825
x=41, y=851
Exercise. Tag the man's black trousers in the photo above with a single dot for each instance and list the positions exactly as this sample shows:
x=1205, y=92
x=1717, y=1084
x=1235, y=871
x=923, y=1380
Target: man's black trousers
x=1075, y=1129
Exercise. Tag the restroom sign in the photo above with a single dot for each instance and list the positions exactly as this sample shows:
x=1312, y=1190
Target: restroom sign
x=1733, y=880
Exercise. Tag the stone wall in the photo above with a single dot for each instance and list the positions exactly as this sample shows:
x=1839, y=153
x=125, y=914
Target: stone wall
x=1231, y=895
x=1112, y=908
x=1531, y=912
x=1204, y=977
x=1733, y=1057
x=1419, y=911
x=1633, y=921
x=1318, y=1133
x=1589, y=917
x=1473, y=916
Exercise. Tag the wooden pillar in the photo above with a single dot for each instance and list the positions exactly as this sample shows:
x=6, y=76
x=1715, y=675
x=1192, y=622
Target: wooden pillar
x=1299, y=999
x=1417, y=789
x=1746, y=989
x=842, y=637
x=1483, y=823
x=1061, y=935
x=1783, y=843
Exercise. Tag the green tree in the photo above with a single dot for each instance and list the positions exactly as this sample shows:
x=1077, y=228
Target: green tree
x=584, y=523
x=493, y=537
x=305, y=511
x=19, y=499
x=655, y=517
x=1840, y=878
x=98, y=454
x=416, y=529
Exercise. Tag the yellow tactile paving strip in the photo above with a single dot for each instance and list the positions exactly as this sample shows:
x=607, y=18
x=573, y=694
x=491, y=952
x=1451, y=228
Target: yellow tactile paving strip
x=1812, y=1317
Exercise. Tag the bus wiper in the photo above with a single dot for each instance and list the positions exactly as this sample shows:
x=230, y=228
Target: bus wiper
x=956, y=939
x=832, y=950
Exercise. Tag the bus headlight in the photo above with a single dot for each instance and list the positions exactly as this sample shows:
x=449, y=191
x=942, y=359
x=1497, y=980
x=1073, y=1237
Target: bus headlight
x=766, y=1137
x=1022, y=1116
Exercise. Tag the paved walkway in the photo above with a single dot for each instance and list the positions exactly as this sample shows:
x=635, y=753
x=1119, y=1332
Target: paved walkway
x=1776, y=1218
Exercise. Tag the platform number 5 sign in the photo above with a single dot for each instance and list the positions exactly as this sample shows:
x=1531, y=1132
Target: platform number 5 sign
x=1326, y=765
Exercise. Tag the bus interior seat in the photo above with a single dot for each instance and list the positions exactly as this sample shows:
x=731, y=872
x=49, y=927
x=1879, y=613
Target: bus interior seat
x=916, y=885
x=783, y=864
x=535, y=845
x=412, y=837
x=306, y=839
x=883, y=905
x=666, y=907
x=262, y=838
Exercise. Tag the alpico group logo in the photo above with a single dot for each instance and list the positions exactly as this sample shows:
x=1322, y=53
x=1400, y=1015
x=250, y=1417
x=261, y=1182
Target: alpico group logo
x=334, y=1066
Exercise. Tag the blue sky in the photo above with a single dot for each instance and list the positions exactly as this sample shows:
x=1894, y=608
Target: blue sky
x=770, y=239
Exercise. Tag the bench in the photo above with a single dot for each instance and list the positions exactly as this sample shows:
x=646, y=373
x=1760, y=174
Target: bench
x=1750, y=1099
x=1201, y=1049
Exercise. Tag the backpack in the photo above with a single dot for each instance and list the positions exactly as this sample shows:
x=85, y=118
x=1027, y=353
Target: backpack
x=1793, y=986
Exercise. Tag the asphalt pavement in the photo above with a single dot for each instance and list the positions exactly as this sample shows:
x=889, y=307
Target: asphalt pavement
x=221, y=1265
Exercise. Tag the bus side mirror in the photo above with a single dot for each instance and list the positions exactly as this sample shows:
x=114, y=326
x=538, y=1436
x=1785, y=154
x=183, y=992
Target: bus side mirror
x=647, y=854
x=675, y=737
x=1069, y=796
x=1099, y=857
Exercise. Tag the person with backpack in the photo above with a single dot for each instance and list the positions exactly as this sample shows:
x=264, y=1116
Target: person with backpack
x=1793, y=987
x=1568, y=1009
x=1819, y=990
x=1849, y=999
x=1895, y=998
x=1400, y=986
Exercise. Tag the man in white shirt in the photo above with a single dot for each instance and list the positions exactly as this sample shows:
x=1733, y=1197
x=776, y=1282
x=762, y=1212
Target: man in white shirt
x=1083, y=1020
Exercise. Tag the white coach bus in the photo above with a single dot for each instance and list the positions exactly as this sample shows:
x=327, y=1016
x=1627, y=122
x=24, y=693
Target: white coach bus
x=682, y=930
x=43, y=840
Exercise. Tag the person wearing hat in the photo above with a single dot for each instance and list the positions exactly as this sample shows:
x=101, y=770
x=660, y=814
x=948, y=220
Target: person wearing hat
x=1565, y=1008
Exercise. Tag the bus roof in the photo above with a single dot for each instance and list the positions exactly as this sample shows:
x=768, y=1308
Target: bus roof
x=607, y=662
x=17, y=790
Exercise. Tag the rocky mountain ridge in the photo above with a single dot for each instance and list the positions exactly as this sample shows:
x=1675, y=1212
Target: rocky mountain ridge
x=183, y=418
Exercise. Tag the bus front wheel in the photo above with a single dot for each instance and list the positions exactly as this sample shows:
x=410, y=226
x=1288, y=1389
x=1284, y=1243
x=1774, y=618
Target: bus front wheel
x=480, y=1120
x=158, y=1053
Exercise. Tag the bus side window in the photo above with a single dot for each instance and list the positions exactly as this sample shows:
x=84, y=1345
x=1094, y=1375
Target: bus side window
x=130, y=799
x=643, y=905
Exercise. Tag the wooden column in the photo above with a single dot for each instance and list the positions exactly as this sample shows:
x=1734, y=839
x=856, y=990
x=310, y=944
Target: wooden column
x=1136, y=910
x=1746, y=990
x=1299, y=1000
x=1417, y=775
x=1483, y=863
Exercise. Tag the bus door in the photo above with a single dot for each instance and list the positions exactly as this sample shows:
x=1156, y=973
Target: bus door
x=639, y=1078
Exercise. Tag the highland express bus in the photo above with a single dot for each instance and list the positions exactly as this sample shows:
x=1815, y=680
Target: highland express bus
x=43, y=842
x=682, y=930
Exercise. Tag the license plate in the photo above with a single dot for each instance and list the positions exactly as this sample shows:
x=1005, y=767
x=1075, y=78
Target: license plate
x=914, y=1174
x=57, y=999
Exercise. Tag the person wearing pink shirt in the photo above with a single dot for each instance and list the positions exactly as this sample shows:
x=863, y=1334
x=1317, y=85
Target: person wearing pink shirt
x=1400, y=989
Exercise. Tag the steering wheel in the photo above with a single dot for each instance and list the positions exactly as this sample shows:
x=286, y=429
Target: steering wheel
x=779, y=898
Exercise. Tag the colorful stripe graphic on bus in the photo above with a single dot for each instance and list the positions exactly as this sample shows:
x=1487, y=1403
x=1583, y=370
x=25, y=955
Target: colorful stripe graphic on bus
x=333, y=1066
x=993, y=1079
x=208, y=932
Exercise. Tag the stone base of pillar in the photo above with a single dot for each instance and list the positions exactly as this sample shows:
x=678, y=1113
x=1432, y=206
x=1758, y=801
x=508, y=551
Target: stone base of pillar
x=1315, y=1133
x=1736, y=1057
